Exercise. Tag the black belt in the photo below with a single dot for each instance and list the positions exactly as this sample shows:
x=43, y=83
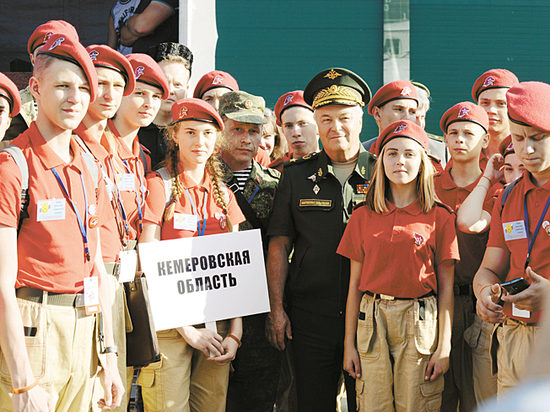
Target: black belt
x=57, y=299
x=388, y=297
x=463, y=290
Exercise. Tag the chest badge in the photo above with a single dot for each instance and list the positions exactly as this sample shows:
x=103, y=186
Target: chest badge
x=362, y=189
x=316, y=189
x=418, y=239
x=313, y=178
x=546, y=227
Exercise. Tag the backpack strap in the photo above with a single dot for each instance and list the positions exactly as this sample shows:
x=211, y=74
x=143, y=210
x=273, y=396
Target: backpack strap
x=506, y=193
x=21, y=162
x=167, y=179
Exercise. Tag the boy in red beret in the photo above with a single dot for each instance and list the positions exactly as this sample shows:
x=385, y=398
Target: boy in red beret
x=10, y=103
x=518, y=243
x=51, y=255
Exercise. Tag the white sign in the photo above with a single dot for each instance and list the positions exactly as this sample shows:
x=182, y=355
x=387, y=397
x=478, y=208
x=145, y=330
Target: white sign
x=204, y=279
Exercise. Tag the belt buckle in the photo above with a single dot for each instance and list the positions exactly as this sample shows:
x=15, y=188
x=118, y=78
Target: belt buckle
x=386, y=297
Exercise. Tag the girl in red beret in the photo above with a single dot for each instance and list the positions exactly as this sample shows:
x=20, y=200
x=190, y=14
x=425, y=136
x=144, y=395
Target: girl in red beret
x=402, y=245
x=187, y=198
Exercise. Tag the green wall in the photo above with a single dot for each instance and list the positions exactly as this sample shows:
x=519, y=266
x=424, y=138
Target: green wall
x=272, y=47
x=454, y=42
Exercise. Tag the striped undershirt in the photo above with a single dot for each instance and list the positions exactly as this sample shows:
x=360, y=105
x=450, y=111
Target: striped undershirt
x=242, y=176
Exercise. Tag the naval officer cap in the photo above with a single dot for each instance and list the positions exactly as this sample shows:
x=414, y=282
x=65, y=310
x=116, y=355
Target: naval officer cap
x=337, y=86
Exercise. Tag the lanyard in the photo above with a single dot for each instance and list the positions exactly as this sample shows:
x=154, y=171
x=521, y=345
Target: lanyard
x=201, y=230
x=531, y=241
x=83, y=227
x=142, y=189
x=254, y=194
x=122, y=210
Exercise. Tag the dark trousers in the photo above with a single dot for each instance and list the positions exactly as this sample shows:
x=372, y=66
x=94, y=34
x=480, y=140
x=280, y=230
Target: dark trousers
x=253, y=383
x=318, y=348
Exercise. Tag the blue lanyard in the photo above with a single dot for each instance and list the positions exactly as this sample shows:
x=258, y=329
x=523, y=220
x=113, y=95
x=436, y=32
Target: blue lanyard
x=254, y=194
x=122, y=210
x=142, y=189
x=83, y=227
x=201, y=230
x=531, y=241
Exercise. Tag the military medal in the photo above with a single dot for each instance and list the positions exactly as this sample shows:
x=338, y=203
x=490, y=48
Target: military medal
x=316, y=189
x=362, y=188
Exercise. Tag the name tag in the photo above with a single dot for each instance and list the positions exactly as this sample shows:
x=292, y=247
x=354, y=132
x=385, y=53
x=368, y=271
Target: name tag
x=185, y=222
x=91, y=295
x=127, y=266
x=520, y=312
x=514, y=230
x=125, y=182
x=316, y=202
x=51, y=209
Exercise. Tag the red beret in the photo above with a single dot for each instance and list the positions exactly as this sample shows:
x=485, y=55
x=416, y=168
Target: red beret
x=465, y=112
x=43, y=33
x=400, y=89
x=213, y=79
x=68, y=49
x=8, y=90
x=287, y=100
x=195, y=109
x=147, y=71
x=493, y=79
x=506, y=146
x=528, y=104
x=104, y=56
x=402, y=128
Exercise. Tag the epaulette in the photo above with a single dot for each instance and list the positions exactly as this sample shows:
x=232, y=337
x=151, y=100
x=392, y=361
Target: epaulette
x=443, y=205
x=363, y=203
x=436, y=137
x=302, y=159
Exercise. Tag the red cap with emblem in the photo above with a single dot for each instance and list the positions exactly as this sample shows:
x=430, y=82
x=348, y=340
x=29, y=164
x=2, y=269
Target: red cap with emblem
x=506, y=146
x=287, y=100
x=214, y=79
x=9, y=91
x=43, y=33
x=195, y=109
x=403, y=128
x=104, y=56
x=399, y=89
x=66, y=48
x=493, y=79
x=147, y=71
x=465, y=112
x=528, y=104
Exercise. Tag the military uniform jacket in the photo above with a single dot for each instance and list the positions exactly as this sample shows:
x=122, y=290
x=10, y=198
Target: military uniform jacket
x=259, y=190
x=313, y=209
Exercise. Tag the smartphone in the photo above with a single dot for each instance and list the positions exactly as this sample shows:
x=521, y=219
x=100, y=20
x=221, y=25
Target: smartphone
x=515, y=286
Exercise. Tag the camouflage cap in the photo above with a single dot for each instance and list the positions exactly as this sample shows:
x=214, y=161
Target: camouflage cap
x=243, y=107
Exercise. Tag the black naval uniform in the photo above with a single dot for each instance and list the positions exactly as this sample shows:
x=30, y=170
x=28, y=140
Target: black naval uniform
x=313, y=208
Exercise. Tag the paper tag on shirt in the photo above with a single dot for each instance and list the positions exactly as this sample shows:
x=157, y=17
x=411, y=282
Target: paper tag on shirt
x=514, y=230
x=185, y=222
x=520, y=312
x=127, y=265
x=51, y=209
x=91, y=295
x=125, y=182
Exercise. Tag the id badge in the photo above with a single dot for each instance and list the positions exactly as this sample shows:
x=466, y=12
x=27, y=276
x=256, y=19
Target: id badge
x=185, y=222
x=514, y=230
x=127, y=266
x=50, y=209
x=125, y=182
x=520, y=312
x=91, y=295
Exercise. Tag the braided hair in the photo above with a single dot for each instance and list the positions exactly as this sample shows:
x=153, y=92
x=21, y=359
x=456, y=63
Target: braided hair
x=213, y=164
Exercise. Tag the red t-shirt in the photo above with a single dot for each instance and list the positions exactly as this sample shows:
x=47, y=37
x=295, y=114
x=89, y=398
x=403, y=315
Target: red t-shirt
x=471, y=245
x=50, y=245
x=181, y=225
x=506, y=233
x=400, y=249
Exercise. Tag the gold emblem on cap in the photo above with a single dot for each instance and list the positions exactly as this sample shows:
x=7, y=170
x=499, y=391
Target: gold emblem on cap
x=248, y=104
x=183, y=111
x=337, y=94
x=332, y=74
